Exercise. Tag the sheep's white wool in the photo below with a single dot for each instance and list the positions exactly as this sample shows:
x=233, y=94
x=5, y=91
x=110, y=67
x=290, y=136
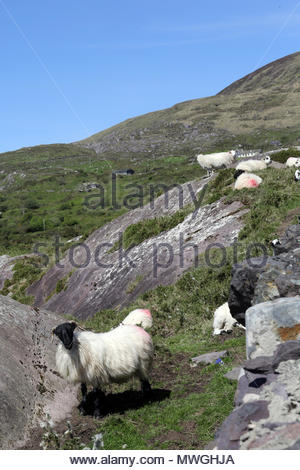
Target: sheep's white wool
x=251, y=165
x=223, y=321
x=216, y=160
x=293, y=161
x=102, y=358
x=247, y=180
x=141, y=317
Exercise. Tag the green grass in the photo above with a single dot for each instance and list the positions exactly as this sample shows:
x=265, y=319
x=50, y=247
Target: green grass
x=283, y=155
x=201, y=398
x=47, y=200
x=148, y=228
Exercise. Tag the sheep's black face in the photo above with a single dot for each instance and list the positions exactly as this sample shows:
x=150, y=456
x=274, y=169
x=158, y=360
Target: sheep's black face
x=238, y=173
x=65, y=333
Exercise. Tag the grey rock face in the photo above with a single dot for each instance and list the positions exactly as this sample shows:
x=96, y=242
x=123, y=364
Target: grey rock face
x=30, y=388
x=228, y=436
x=233, y=374
x=7, y=265
x=261, y=279
x=270, y=323
x=108, y=279
x=280, y=429
x=268, y=364
x=271, y=377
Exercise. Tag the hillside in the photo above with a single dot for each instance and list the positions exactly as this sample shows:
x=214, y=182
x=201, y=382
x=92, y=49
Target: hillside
x=254, y=111
x=181, y=252
x=188, y=403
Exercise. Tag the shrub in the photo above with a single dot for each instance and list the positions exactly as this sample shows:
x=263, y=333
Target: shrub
x=283, y=155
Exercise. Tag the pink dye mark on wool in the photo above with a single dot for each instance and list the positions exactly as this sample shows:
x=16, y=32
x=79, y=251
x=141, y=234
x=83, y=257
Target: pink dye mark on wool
x=252, y=183
x=146, y=312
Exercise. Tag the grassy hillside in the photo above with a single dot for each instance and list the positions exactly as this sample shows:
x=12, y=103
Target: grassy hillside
x=40, y=192
x=190, y=403
x=40, y=196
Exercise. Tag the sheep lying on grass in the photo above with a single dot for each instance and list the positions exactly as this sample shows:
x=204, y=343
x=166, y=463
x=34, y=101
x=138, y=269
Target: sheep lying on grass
x=213, y=161
x=293, y=161
x=254, y=165
x=223, y=321
x=99, y=359
x=246, y=180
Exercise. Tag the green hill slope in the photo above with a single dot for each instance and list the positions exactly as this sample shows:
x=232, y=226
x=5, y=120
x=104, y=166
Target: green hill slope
x=254, y=111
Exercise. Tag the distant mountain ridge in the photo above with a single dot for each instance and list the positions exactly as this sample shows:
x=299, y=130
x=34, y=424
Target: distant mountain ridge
x=260, y=110
x=262, y=107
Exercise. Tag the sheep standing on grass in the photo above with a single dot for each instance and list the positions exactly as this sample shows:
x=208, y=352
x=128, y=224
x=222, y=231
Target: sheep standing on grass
x=246, y=180
x=293, y=161
x=213, y=161
x=223, y=321
x=99, y=359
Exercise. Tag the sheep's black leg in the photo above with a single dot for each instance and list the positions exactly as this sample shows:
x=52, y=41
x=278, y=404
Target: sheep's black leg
x=84, y=392
x=82, y=405
x=99, y=403
x=146, y=387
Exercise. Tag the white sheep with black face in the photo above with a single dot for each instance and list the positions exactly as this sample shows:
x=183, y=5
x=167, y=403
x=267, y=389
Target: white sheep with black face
x=246, y=180
x=293, y=161
x=213, y=161
x=99, y=359
x=223, y=320
x=297, y=175
x=254, y=165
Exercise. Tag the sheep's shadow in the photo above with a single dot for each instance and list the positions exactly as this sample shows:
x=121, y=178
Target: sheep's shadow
x=121, y=402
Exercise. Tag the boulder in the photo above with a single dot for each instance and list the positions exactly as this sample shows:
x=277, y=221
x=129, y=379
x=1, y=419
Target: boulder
x=228, y=436
x=209, y=358
x=257, y=280
x=267, y=399
x=270, y=323
x=31, y=391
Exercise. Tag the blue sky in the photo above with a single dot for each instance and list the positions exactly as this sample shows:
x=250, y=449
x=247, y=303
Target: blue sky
x=70, y=68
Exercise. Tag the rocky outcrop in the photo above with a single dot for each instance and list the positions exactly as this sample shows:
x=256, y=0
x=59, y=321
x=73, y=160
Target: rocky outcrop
x=110, y=279
x=267, y=413
x=260, y=279
x=6, y=269
x=30, y=388
x=270, y=323
x=7, y=266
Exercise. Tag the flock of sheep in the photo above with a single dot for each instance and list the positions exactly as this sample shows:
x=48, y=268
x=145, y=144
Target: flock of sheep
x=99, y=359
x=244, y=176
x=223, y=320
